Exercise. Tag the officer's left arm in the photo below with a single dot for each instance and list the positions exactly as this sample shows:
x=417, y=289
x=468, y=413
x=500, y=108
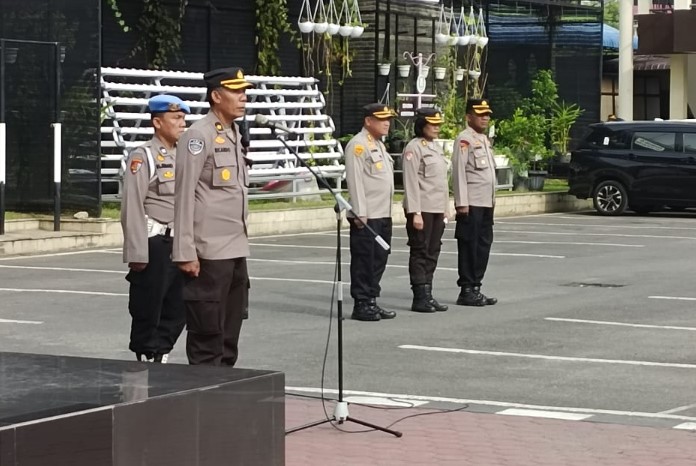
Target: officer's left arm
x=411, y=162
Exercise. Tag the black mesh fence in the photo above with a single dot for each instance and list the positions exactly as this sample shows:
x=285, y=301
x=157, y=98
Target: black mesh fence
x=51, y=75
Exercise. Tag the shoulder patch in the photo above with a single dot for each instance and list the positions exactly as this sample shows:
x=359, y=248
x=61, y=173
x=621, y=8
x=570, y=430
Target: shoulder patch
x=135, y=165
x=359, y=149
x=408, y=155
x=463, y=143
x=195, y=146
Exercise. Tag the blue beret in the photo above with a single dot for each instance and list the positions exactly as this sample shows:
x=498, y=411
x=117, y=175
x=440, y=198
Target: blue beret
x=167, y=103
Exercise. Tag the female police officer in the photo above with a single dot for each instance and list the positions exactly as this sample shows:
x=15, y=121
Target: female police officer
x=426, y=200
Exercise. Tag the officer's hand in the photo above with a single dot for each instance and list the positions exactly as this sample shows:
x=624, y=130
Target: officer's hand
x=463, y=210
x=192, y=269
x=418, y=221
x=137, y=266
x=361, y=223
x=449, y=215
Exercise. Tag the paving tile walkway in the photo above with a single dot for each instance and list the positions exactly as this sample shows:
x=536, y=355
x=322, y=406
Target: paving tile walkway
x=464, y=438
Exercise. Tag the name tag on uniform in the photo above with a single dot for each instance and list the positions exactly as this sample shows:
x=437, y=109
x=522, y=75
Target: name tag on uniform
x=222, y=149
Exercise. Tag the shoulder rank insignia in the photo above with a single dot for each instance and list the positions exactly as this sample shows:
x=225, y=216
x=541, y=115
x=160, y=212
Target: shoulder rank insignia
x=370, y=138
x=424, y=142
x=359, y=149
x=220, y=140
x=135, y=165
x=218, y=127
x=408, y=155
x=195, y=146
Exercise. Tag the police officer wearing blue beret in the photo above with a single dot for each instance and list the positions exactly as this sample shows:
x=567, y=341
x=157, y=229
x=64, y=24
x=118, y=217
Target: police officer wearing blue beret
x=147, y=216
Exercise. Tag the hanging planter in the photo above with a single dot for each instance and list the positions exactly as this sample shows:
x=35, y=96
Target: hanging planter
x=345, y=18
x=334, y=22
x=444, y=24
x=440, y=72
x=424, y=71
x=384, y=69
x=321, y=24
x=481, y=28
x=357, y=31
x=474, y=74
x=305, y=21
x=463, y=29
x=459, y=74
x=404, y=70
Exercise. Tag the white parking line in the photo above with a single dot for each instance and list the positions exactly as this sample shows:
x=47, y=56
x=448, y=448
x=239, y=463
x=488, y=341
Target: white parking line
x=575, y=225
x=686, y=426
x=619, y=324
x=404, y=251
x=344, y=263
x=676, y=298
x=298, y=280
x=527, y=232
x=34, y=290
x=502, y=404
x=550, y=358
x=61, y=269
x=544, y=414
x=678, y=409
x=10, y=321
x=56, y=254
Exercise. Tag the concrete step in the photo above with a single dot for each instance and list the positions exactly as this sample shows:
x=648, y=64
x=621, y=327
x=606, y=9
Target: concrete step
x=34, y=236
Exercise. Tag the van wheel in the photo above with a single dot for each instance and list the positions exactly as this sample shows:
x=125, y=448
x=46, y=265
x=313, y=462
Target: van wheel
x=610, y=198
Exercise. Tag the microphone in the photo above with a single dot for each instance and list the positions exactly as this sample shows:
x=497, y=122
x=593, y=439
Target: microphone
x=263, y=120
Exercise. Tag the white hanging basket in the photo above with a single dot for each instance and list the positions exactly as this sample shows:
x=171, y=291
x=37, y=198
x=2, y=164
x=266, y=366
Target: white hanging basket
x=357, y=31
x=440, y=72
x=482, y=41
x=345, y=31
x=459, y=74
x=453, y=40
x=443, y=28
x=404, y=70
x=474, y=74
x=321, y=23
x=384, y=69
x=305, y=21
x=424, y=71
x=481, y=30
x=334, y=22
x=464, y=40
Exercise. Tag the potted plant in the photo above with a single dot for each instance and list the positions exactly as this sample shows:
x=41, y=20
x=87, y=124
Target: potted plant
x=305, y=21
x=404, y=69
x=384, y=67
x=563, y=117
x=400, y=134
x=459, y=74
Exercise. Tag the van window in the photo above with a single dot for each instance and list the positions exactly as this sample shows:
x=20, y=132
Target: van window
x=601, y=138
x=690, y=143
x=654, y=141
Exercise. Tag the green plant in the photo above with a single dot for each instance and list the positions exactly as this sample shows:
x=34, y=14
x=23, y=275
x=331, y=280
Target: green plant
x=523, y=135
x=563, y=118
x=271, y=22
x=158, y=32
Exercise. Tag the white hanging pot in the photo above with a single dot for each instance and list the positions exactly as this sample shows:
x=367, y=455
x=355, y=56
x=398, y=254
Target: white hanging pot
x=453, y=40
x=424, y=71
x=305, y=26
x=346, y=31
x=441, y=38
x=474, y=74
x=440, y=72
x=464, y=40
x=321, y=28
x=404, y=70
x=482, y=41
x=384, y=69
x=333, y=29
x=357, y=31
x=459, y=74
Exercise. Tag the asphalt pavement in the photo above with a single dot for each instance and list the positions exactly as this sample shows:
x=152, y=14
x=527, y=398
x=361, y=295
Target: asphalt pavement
x=595, y=320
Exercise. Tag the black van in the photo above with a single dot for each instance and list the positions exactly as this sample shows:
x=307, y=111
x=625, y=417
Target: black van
x=641, y=165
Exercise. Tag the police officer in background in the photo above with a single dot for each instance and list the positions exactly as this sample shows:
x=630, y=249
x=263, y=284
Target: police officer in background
x=473, y=177
x=210, y=230
x=426, y=202
x=370, y=180
x=147, y=216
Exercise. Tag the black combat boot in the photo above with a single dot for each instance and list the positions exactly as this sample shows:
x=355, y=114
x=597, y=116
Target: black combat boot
x=363, y=311
x=468, y=297
x=383, y=313
x=432, y=301
x=486, y=299
x=420, y=300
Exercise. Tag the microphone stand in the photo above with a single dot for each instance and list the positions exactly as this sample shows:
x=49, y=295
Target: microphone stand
x=340, y=413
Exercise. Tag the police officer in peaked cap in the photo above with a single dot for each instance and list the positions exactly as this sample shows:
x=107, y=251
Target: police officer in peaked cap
x=210, y=230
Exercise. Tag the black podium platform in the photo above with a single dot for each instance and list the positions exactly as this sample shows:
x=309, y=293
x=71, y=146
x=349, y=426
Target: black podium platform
x=57, y=410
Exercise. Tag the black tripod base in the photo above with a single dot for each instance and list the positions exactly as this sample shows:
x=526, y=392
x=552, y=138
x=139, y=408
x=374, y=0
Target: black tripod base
x=341, y=416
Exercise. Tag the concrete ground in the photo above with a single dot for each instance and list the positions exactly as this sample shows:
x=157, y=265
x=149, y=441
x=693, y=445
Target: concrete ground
x=595, y=323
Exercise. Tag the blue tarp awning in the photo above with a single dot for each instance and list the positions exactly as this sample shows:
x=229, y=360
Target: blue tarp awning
x=610, y=38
